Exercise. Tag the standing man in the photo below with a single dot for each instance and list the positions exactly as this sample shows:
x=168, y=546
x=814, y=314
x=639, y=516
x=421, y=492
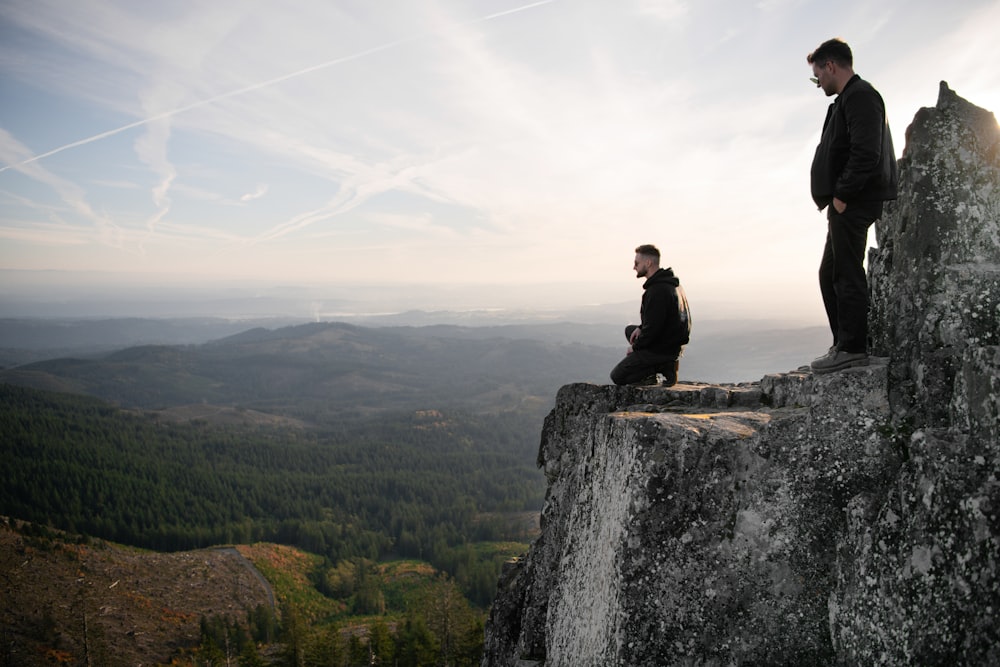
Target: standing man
x=853, y=173
x=655, y=344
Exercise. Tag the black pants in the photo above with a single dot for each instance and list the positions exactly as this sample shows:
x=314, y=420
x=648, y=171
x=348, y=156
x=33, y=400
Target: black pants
x=640, y=364
x=842, y=278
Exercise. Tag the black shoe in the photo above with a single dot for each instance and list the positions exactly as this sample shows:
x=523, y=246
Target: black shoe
x=836, y=360
x=649, y=381
x=669, y=376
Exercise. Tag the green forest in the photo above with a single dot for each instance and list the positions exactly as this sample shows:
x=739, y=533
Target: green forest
x=423, y=485
x=432, y=624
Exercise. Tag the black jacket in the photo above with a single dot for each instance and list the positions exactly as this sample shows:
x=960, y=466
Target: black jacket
x=665, y=316
x=855, y=160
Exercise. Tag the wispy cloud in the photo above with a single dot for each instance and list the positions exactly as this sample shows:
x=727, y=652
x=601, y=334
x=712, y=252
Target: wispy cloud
x=257, y=193
x=259, y=85
x=662, y=10
x=72, y=195
x=45, y=234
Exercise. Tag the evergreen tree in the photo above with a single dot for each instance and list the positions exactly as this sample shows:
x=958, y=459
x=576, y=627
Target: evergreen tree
x=380, y=644
x=325, y=649
x=293, y=636
x=416, y=645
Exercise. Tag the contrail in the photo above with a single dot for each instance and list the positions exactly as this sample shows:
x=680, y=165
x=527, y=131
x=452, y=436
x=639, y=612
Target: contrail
x=256, y=86
x=511, y=11
x=210, y=100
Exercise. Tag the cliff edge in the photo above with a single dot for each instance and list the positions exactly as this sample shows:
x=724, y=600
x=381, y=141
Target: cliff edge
x=842, y=519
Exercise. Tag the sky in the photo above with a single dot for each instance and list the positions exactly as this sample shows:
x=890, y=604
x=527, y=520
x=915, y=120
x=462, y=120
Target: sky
x=492, y=153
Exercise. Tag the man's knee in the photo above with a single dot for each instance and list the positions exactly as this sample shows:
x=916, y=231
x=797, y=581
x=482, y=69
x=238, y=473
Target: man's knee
x=627, y=371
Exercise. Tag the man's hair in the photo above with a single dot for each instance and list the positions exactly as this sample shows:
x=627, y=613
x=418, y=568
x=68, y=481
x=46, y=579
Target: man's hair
x=648, y=250
x=832, y=50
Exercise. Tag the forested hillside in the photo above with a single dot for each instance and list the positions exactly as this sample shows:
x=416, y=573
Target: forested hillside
x=327, y=372
x=420, y=484
x=75, y=600
x=361, y=446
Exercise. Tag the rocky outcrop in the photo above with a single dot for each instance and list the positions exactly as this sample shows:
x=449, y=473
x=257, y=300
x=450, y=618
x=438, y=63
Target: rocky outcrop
x=935, y=277
x=918, y=579
x=851, y=518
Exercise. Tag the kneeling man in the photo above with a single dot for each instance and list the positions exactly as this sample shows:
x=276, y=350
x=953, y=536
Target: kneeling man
x=656, y=343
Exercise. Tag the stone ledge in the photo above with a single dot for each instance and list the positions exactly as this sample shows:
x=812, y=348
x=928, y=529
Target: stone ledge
x=673, y=508
x=654, y=491
x=796, y=388
x=804, y=388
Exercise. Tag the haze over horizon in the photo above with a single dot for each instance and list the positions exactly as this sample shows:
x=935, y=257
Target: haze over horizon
x=439, y=155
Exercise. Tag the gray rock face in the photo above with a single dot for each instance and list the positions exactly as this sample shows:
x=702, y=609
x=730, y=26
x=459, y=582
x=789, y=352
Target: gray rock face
x=842, y=519
x=918, y=576
x=936, y=275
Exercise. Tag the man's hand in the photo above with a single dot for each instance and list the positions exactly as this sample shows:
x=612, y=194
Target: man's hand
x=635, y=334
x=839, y=206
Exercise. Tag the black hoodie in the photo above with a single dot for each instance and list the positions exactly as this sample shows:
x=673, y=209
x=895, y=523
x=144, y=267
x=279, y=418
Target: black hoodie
x=665, y=316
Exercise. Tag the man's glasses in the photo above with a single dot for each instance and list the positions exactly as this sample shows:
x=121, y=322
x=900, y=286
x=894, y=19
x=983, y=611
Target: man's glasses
x=814, y=79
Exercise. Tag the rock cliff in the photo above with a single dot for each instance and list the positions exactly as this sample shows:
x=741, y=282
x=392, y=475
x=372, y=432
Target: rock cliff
x=843, y=519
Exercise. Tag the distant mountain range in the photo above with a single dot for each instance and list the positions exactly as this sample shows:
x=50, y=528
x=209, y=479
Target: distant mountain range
x=321, y=370
x=324, y=368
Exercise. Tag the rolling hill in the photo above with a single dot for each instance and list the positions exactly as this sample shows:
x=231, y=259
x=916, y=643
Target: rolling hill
x=325, y=371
